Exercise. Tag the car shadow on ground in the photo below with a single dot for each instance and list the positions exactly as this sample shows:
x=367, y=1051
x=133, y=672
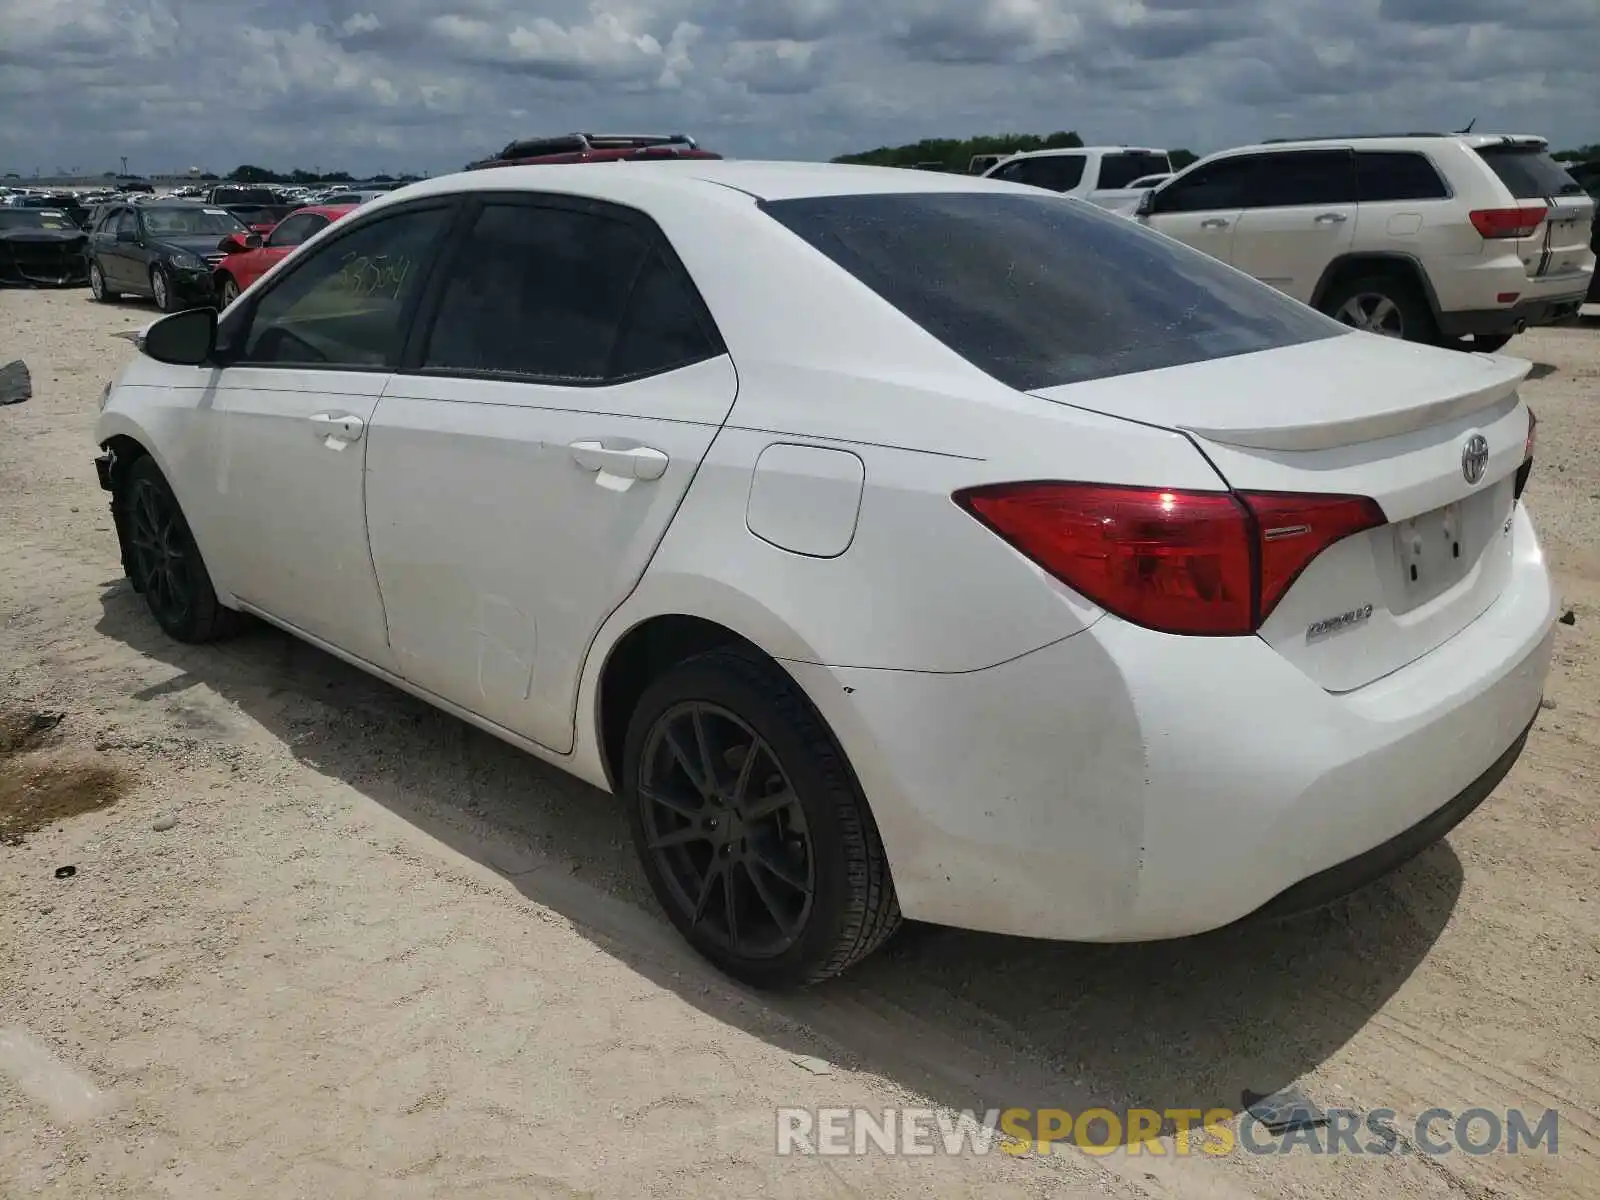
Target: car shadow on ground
x=969, y=1020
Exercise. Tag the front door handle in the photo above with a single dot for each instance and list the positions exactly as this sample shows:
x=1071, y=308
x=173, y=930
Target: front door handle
x=1214, y=223
x=342, y=426
x=637, y=462
x=1331, y=218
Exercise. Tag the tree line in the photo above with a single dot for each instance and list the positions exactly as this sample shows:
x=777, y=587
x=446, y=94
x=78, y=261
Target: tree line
x=247, y=173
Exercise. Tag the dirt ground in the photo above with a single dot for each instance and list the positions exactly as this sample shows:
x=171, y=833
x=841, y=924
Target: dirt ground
x=320, y=940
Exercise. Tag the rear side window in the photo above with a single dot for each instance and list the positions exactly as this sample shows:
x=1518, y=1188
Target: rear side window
x=1397, y=175
x=1529, y=172
x=1054, y=172
x=1119, y=170
x=567, y=296
x=1039, y=293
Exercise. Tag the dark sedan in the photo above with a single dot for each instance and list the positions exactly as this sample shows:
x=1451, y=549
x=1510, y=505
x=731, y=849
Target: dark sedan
x=41, y=247
x=162, y=249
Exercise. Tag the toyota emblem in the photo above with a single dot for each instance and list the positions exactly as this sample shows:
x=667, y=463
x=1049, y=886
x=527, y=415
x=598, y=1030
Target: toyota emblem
x=1475, y=458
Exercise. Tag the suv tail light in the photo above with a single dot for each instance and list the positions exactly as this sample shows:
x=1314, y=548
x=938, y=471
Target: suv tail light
x=1526, y=468
x=1508, y=222
x=1206, y=563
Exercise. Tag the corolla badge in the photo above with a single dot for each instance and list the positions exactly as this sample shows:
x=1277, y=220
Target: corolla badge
x=1474, y=458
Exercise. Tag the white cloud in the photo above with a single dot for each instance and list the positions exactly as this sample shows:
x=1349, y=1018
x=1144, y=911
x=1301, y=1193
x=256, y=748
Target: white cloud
x=430, y=84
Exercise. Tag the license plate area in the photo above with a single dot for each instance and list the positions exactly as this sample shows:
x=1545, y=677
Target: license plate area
x=1435, y=552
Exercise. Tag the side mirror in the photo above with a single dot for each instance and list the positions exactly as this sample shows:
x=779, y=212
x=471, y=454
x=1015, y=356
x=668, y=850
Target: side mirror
x=185, y=339
x=253, y=241
x=238, y=243
x=1147, y=203
x=127, y=235
x=16, y=385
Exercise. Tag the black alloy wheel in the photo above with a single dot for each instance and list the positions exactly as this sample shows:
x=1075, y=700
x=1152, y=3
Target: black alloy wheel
x=163, y=568
x=726, y=830
x=751, y=827
x=163, y=560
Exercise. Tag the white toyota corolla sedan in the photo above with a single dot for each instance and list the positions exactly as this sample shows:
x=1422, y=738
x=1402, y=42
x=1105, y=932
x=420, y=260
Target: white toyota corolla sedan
x=890, y=542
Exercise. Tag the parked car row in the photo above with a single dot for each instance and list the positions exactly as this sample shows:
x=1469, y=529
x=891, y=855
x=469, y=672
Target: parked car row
x=1454, y=239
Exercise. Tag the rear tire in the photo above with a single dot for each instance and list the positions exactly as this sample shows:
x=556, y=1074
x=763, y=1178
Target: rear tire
x=97, y=285
x=750, y=825
x=1386, y=304
x=163, y=561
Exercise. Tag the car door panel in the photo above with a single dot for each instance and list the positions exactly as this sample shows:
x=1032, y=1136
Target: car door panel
x=1210, y=231
x=1299, y=215
x=1290, y=248
x=288, y=489
x=502, y=541
x=305, y=361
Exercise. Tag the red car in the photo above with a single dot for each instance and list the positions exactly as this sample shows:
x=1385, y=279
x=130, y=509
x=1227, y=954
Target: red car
x=249, y=257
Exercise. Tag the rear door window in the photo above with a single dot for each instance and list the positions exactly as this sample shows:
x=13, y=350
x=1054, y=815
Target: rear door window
x=558, y=295
x=1385, y=175
x=1298, y=178
x=1529, y=172
x=1039, y=293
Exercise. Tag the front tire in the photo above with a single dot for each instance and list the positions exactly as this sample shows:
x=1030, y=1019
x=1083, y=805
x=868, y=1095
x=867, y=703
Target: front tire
x=97, y=284
x=161, y=289
x=164, y=563
x=1388, y=305
x=227, y=290
x=750, y=825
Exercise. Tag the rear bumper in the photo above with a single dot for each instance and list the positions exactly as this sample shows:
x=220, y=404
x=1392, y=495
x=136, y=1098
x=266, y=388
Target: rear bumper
x=1515, y=318
x=1124, y=785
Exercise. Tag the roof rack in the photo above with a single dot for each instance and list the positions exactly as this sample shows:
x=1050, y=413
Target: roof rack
x=586, y=143
x=1355, y=137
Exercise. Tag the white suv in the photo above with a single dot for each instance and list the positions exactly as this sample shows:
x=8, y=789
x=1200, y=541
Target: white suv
x=1429, y=237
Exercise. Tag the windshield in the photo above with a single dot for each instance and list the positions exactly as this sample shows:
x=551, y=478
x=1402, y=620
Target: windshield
x=1529, y=172
x=1039, y=293
x=35, y=218
x=190, y=222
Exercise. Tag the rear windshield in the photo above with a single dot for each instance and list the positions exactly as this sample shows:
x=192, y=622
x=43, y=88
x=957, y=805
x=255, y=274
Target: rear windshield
x=1530, y=173
x=1119, y=170
x=1038, y=291
x=243, y=196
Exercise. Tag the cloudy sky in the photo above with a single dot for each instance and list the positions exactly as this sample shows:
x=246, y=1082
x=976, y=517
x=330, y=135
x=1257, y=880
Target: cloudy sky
x=425, y=85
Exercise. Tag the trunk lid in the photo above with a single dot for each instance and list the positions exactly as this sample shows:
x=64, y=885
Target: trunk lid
x=1374, y=417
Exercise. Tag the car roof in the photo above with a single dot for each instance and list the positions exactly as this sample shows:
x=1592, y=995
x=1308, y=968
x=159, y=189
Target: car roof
x=1375, y=141
x=334, y=211
x=760, y=180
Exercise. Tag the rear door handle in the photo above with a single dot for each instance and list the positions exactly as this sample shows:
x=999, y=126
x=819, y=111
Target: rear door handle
x=1331, y=218
x=637, y=462
x=1214, y=223
x=338, y=425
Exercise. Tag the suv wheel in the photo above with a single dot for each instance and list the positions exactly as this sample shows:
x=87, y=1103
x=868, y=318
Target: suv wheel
x=1387, y=305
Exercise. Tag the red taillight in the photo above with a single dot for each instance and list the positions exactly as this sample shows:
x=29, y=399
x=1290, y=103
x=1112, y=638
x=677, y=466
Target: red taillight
x=1520, y=482
x=1295, y=528
x=1213, y=563
x=1508, y=222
